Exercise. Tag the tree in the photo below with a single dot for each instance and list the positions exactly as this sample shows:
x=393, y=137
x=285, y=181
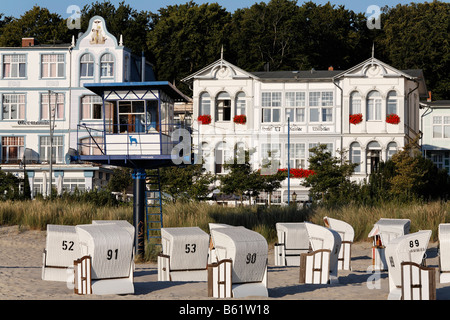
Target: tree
x=185, y=38
x=120, y=180
x=39, y=23
x=330, y=183
x=9, y=186
x=185, y=183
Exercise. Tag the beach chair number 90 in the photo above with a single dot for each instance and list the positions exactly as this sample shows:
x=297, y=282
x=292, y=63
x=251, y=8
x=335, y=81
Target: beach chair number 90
x=251, y=258
x=110, y=254
x=67, y=245
x=414, y=243
x=190, y=248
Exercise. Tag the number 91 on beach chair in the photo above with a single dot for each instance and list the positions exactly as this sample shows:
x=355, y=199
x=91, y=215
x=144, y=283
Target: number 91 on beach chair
x=107, y=250
x=241, y=266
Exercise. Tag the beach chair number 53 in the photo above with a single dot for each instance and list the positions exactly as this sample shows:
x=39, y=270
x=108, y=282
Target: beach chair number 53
x=190, y=248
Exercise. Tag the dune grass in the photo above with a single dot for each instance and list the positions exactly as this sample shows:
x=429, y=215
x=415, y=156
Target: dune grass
x=37, y=214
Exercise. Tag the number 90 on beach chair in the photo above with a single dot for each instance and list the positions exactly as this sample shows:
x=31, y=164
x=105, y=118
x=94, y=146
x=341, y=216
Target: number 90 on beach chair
x=243, y=252
x=184, y=254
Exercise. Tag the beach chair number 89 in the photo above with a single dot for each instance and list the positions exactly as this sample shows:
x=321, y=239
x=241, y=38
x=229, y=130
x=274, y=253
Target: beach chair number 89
x=412, y=243
x=251, y=258
x=110, y=254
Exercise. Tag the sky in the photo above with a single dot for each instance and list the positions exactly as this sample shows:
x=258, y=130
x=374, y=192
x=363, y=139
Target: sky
x=62, y=7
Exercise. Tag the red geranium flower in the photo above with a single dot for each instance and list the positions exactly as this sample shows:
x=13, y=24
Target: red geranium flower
x=299, y=173
x=204, y=119
x=356, y=118
x=240, y=119
x=392, y=118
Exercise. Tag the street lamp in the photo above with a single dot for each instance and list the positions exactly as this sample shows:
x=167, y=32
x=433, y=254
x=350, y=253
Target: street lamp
x=294, y=198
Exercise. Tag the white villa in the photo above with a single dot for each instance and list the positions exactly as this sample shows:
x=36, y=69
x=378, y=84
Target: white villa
x=318, y=104
x=38, y=80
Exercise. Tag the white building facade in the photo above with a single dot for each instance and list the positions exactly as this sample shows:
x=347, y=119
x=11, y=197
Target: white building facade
x=318, y=104
x=38, y=80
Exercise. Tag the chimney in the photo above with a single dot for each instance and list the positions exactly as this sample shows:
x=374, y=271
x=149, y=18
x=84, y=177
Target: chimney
x=330, y=68
x=27, y=42
x=429, y=96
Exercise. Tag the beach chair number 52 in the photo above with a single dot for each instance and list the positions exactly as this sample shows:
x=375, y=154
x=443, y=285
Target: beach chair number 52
x=414, y=243
x=67, y=245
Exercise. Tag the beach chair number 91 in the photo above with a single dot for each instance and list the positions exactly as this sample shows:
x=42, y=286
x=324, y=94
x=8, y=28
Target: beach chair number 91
x=110, y=254
x=251, y=258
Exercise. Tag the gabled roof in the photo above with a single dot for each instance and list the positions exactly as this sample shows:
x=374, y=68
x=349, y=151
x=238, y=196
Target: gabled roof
x=297, y=75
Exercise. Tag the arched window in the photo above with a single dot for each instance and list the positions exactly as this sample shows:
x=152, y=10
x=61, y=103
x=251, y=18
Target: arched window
x=239, y=153
x=223, y=107
x=373, y=106
x=391, y=103
x=240, y=104
x=205, y=156
x=355, y=102
x=391, y=150
x=373, y=156
x=355, y=155
x=87, y=65
x=107, y=65
x=220, y=157
x=205, y=104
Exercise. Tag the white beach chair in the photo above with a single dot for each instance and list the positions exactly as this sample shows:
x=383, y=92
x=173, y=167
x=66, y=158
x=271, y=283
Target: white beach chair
x=406, y=248
x=110, y=248
x=61, y=249
x=384, y=231
x=444, y=252
x=292, y=241
x=320, y=265
x=121, y=223
x=247, y=252
x=418, y=282
x=347, y=234
x=184, y=254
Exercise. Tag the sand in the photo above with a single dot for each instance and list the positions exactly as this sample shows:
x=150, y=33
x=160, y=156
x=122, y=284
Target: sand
x=21, y=263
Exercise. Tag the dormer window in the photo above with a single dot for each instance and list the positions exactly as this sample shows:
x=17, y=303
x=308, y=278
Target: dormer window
x=107, y=65
x=223, y=107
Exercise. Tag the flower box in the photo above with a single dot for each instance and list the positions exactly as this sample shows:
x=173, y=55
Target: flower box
x=298, y=173
x=204, y=119
x=240, y=119
x=392, y=118
x=356, y=118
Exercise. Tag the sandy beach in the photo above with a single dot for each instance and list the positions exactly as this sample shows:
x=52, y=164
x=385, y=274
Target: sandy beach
x=21, y=263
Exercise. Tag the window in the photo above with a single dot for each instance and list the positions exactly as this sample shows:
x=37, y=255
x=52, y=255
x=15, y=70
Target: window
x=91, y=146
x=205, y=156
x=391, y=150
x=355, y=155
x=57, y=147
x=87, y=65
x=132, y=116
x=52, y=66
x=441, y=126
x=14, y=66
x=12, y=149
x=373, y=156
x=240, y=104
x=223, y=107
x=92, y=108
x=13, y=107
x=72, y=184
x=373, y=106
x=391, y=103
x=297, y=155
x=355, y=103
x=271, y=103
x=320, y=104
x=221, y=157
x=294, y=100
x=270, y=154
x=107, y=65
x=205, y=104
x=56, y=105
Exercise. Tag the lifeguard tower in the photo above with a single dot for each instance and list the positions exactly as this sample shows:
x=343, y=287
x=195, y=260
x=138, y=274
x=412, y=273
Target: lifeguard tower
x=137, y=130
